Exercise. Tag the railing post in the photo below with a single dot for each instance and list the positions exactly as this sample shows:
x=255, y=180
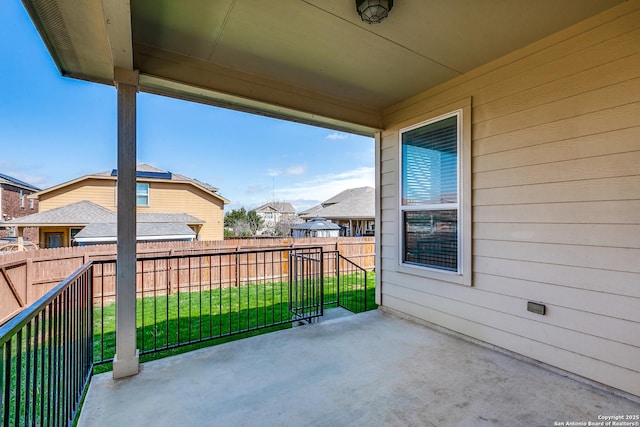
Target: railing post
x=338, y=278
x=365, y=291
x=321, y=282
x=237, y=270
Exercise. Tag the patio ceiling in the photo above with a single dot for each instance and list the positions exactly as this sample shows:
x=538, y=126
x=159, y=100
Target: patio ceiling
x=312, y=61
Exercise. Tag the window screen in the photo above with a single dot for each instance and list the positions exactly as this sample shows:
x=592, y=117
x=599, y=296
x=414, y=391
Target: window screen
x=430, y=195
x=430, y=160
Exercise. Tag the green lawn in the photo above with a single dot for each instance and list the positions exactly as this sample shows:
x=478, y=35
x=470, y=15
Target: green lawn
x=184, y=321
x=174, y=324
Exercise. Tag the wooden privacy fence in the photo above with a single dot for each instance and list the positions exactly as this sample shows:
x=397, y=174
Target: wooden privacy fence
x=26, y=276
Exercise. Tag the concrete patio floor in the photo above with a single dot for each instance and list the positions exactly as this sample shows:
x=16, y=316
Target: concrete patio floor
x=371, y=369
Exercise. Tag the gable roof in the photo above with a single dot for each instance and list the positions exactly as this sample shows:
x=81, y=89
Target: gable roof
x=85, y=212
x=151, y=217
x=107, y=232
x=354, y=203
x=277, y=207
x=147, y=175
x=145, y=168
x=346, y=195
x=6, y=179
x=79, y=213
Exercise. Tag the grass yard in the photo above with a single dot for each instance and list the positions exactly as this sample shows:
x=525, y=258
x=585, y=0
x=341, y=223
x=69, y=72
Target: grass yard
x=184, y=321
x=168, y=325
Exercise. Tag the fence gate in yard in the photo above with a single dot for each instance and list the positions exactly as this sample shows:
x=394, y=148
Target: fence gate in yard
x=306, y=283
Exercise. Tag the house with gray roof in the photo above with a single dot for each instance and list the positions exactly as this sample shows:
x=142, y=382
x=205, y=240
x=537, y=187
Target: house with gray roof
x=90, y=223
x=274, y=215
x=15, y=204
x=353, y=210
x=100, y=233
x=170, y=206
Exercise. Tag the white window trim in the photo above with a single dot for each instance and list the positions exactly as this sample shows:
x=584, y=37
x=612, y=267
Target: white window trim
x=148, y=194
x=464, y=274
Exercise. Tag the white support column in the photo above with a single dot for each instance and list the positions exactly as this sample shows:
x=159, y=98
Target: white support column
x=125, y=362
x=378, y=218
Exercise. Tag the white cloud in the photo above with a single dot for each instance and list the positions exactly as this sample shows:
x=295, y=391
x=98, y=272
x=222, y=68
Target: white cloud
x=11, y=169
x=323, y=187
x=302, y=193
x=291, y=170
x=296, y=170
x=337, y=135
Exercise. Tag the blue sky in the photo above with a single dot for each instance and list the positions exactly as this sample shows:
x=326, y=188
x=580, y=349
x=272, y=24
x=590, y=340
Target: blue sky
x=54, y=129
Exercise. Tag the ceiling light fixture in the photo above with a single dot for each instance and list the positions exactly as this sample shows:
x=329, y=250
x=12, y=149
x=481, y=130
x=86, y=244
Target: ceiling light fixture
x=373, y=11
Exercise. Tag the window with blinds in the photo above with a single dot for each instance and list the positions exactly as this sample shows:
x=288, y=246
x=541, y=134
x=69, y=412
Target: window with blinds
x=430, y=188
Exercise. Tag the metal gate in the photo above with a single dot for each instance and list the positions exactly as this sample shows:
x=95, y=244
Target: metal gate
x=306, y=283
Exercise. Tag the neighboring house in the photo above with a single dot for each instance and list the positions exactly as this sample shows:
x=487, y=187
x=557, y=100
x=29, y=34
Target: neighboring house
x=162, y=198
x=528, y=110
x=84, y=223
x=149, y=227
x=353, y=210
x=274, y=214
x=15, y=204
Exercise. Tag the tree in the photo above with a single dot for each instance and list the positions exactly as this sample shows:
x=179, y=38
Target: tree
x=255, y=222
x=284, y=226
x=242, y=223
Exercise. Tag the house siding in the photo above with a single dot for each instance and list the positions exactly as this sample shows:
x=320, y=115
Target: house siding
x=556, y=202
x=99, y=191
x=10, y=208
x=164, y=197
x=185, y=198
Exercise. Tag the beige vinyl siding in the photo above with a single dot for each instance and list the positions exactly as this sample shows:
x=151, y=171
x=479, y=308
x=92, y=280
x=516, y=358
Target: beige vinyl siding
x=185, y=198
x=164, y=197
x=99, y=191
x=556, y=202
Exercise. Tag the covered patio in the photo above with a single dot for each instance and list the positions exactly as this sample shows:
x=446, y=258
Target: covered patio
x=530, y=244
x=369, y=369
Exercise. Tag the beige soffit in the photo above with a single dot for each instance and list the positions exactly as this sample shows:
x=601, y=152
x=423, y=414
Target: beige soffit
x=311, y=61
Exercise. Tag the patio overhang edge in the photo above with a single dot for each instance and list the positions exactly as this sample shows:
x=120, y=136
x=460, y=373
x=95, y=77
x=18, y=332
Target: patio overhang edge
x=177, y=76
x=359, y=122
x=172, y=89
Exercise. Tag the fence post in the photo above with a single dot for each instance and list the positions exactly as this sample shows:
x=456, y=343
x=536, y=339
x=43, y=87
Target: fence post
x=28, y=279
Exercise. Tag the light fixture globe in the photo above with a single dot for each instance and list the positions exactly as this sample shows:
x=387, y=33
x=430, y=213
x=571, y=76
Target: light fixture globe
x=373, y=11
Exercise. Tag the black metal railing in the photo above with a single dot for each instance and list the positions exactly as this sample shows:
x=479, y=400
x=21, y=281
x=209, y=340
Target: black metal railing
x=306, y=285
x=187, y=299
x=47, y=355
x=345, y=283
x=49, y=350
